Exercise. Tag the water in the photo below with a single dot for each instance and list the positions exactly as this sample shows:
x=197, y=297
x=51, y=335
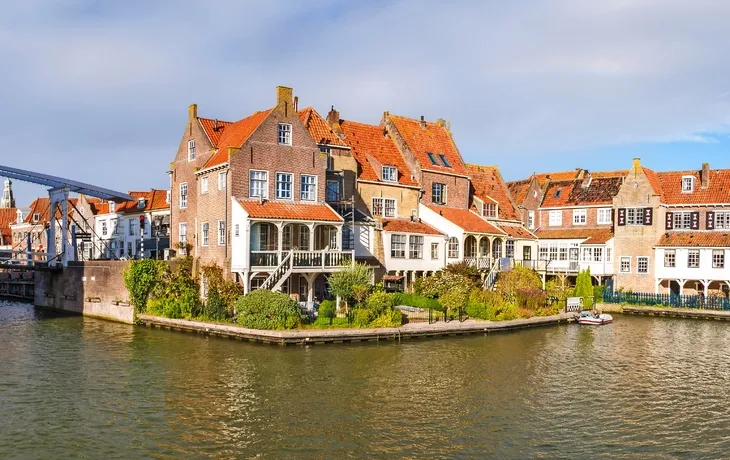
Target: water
x=639, y=388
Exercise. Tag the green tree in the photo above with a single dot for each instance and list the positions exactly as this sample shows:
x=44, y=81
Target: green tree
x=518, y=280
x=264, y=309
x=351, y=283
x=584, y=288
x=141, y=278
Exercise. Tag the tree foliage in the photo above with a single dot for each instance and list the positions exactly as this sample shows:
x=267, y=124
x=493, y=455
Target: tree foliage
x=178, y=295
x=141, y=278
x=227, y=291
x=352, y=282
x=264, y=309
x=584, y=288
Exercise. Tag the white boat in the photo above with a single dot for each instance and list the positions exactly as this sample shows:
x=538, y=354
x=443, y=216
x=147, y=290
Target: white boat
x=590, y=318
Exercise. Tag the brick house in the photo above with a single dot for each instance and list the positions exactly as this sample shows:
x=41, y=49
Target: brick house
x=681, y=220
x=8, y=216
x=34, y=226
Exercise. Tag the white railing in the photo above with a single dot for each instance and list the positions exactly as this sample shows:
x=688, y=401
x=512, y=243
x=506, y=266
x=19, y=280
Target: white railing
x=480, y=263
x=303, y=259
x=491, y=277
x=283, y=270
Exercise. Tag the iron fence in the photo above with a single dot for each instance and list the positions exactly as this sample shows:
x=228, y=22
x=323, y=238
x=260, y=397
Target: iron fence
x=667, y=300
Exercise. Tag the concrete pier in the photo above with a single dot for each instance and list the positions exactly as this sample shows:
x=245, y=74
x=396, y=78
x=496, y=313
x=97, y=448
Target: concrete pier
x=692, y=313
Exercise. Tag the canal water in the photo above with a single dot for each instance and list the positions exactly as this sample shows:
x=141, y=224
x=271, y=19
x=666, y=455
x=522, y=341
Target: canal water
x=639, y=388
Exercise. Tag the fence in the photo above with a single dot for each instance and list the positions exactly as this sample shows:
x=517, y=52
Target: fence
x=430, y=315
x=667, y=300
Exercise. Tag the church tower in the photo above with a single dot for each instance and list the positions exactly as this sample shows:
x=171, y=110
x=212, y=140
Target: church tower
x=8, y=200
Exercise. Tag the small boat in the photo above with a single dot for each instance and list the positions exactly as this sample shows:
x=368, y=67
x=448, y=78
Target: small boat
x=595, y=319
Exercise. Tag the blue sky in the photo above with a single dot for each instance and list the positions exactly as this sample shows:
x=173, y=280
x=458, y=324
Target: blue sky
x=98, y=90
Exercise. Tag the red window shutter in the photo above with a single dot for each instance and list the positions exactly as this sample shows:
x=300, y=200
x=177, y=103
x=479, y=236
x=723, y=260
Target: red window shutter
x=695, y=220
x=669, y=223
x=648, y=216
x=621, y=221
x=710, y=220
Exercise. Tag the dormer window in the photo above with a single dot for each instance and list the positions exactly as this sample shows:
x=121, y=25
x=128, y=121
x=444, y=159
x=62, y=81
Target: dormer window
x=284, y=134
x=36, y=218
x=557, y=193
x=390, y=174
x=444, y=160
x=432, y=158
x=191, y=149
x=688, y=184
x=111, y=206
x=140, y=203
x=490, y=210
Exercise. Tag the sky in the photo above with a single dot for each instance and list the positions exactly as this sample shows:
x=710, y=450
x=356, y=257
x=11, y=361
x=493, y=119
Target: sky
x=97, y=91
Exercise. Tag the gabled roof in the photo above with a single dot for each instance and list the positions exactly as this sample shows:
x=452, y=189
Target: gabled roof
x=519, y=189
x=572, y=193
x=234, y=135
x=434, y=138
x=8, y=216
x=289, y=210
x=214, y=129
x=318, y=128
x=708, y=239
x=718, y=190
x=367, y=140
x=155, y=200
x=517, y=232
x=466, y=219
x=409, y=226
x=542, y=178
x=653, y=179
x=591, y=236
x=488, y=183
x=42, y=207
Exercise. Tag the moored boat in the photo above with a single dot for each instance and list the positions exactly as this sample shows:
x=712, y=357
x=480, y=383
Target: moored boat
x=595, y=319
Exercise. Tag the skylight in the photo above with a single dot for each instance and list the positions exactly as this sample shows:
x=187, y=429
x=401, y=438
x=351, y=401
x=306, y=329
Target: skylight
x=444, y=160
x=557, y=193
x=432, y=157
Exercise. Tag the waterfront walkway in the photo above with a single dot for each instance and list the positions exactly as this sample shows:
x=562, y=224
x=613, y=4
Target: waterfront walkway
x=318, y=336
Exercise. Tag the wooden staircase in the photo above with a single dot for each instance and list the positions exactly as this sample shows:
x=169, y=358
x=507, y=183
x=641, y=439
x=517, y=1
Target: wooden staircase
x=280, y=273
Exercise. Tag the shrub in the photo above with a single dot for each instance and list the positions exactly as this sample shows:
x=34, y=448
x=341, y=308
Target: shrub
x=415, y=300
x=362, y=317
x=379, y=302
x=584, y=287
x=141, y=278
x=437, y=285
x=322, y=322
x=519, y=278
x=214, y=309
x=177, y=295
x=391, y=318
x=487, y=305
x=351, y=282
x=326, y=309
x=463, y=268
x=598, y=293
x=229, y=291
x=264, y=309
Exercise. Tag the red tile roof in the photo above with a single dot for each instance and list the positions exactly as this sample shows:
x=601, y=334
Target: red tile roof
x=604, y=174
x=466, y=219
x=572, y=193
x=707, y=239
x=592, y=236
x=408, y=226
x=558, y=176
x=369, y=140
x=488, y=183
x=318, y=128
x=234, y=135
x=517, y=232
x=155, y=200
x=718, y=190
x=289, y=210
x=434, y=138
x=8, y=216
x=42, y=207
x=518, y=190
x=209, y=126
x=653, y=179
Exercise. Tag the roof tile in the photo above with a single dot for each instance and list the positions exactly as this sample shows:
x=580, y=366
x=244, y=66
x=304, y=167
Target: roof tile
x=234, y=135
x=318, y=128
x=572, y=193
x=214, y=129
x=289, y=210
x=467, y=220
x=434, y=138
x=408, y=226
x=592, y=236
x=488, y=183
x=707, y=239
x=718, y=190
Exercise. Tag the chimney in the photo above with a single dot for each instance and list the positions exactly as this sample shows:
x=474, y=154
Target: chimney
x=423, y=123
x=193, y=111
x=333, y=117
x=587, y=178
x=705, y=175
x=637, y=164
x=296, y=103
x=215, y=125
x=284, y=100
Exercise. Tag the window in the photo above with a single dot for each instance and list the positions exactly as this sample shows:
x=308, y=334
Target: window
x=104, y=229
x=453, y=248
x=434, y=251
x=625, y=265
x=390, y=174
x=489, y=210
x=634, y=216
x=222, y=180
x=115, y=230
x=304, y=239
x=129, y=249
x=333, y=190
x=348, y=238
x=530, y=219
x=688, y=183
x=284, y=186
x=604, y=216
x=563, y=252
x=398, y=246
x=221, y=232
x=722, y=220
x=553, y=252
x=597, y=254
x=259, y=184
x=510, y=249
x=682, y=220
x=130, y=226
x=309, y=188
x=183, y=195
x=183, y=232
x=587, y=254
x=236, y=231
x=191, y=149
x=167, y=196
x=204, y=185
x=325, y=150
x=579, y=217
x=444, y=160
x=556, y=218
x=432, y=158
x=693, y=258
x=642, y=265
x=718, y=258
x=284, y=133
x=384, y=207
x=205, y=234
x=670, y=258
x=438, y=193
x=415, y=247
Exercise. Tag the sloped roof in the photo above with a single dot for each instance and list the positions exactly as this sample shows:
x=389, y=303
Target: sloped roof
x=709, y=239
x=42, y=207
x=653, y=179
x=488, y=183
x=8, y=217
x=318, y=128
x=367, y=140
x=591, y=236
x=234, y=135
x=466, y=220
x=542, y=178
x=517, y=232
x=718, y=190
x=572, y=193
x=289, y=210
x=408, y=226
x=519, y=189
x=209, y=126
x=434, y=138
x=155, y=200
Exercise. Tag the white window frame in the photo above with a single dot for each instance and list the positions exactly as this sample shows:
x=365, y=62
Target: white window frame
x=555, y=218
x=284, y=134
x=191, y=150
x=104, y=228
x=257, y=192
x=597, y=255
x=490, y=210
x=603, y=216
x=204, y=233
x=639, y=260
x=381, y=207
x=280, y=192
x=415, y=246
x=634, y=216
x=718, y=258
x=531, y=219
x=310, y=195
x=688, y=184
x=182, y=230
x=204, y=185
x=434, y=251
x=682, y=220
x=621, y=261
x=580, y=216
x=183, y=195
x=222, y=180
x=398, y=245
x=453, y=248
x=672, y=260
x=442, y=194
x=390, y=174
x=691, y=252
x=609, y=255
x=221, y=232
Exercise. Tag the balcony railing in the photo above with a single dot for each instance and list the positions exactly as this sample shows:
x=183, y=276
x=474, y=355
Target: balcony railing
x=480, y=263
x=303, y=259
x=264, y=258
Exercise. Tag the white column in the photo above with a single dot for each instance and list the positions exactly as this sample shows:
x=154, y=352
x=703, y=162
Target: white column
x=405, y=281
x=681, y=286
x=280, y=241
x=657, y=282
x=246, y=282
x=311, y=227
x=339, y=238
x=706, y=284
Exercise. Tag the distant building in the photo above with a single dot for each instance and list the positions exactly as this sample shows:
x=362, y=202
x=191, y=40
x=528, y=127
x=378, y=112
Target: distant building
x=8, y=200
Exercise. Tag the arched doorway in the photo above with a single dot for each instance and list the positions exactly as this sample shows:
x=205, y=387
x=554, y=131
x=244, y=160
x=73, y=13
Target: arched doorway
x=497, y=248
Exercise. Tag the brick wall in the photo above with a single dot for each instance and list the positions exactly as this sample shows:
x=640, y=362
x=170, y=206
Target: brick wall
x=531, y=203
x=406, y=198
x=567, y=216
x=457, y=189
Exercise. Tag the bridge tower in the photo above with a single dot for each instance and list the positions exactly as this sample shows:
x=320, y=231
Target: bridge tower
x=8, y=200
